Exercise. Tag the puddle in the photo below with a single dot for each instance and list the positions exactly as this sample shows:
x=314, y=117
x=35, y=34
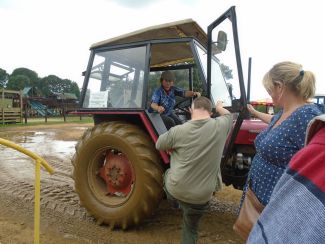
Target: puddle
x=38, y=142
x=42, y=143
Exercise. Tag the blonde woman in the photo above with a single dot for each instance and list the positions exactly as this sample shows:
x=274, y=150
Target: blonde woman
x=290, y=87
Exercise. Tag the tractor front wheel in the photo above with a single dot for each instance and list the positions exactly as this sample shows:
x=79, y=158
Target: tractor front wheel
x=117, y=174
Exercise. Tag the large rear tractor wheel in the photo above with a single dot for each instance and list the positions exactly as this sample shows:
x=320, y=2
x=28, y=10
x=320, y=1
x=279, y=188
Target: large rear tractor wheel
x=117, y=174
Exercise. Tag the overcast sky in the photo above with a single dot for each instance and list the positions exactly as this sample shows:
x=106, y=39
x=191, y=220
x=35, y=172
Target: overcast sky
x=54, y=36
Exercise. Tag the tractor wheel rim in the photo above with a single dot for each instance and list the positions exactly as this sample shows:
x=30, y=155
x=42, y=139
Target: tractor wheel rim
x=111, y=177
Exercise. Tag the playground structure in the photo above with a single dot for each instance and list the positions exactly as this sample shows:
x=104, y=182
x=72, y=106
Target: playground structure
x=11, y=106
x=16, y=105
x=55, y=105
x=40, y=109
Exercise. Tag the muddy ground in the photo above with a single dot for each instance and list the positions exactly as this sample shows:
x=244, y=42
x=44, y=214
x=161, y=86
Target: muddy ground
x=63, y=220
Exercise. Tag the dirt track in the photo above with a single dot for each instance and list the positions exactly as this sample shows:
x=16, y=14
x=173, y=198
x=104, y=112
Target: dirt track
x=63, y=220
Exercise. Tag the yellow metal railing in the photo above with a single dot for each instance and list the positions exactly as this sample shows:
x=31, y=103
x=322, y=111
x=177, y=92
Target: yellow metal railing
x=39, y=161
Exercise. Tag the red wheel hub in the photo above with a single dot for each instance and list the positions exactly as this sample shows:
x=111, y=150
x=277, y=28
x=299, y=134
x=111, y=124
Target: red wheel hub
x=117, y=173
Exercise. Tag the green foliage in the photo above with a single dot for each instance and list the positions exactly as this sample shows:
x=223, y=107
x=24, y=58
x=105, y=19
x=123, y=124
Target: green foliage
x=154, y=82
x=227, y=72
x=181, y=79
x=197, y=82
x=32, y=75
x=3, y=78
x=72, y=87
x=52, y=83
x=23, y=77
x=51, y=120
x=18, y=82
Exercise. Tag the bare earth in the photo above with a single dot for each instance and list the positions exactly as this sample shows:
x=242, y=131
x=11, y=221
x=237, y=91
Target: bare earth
x=63, y=220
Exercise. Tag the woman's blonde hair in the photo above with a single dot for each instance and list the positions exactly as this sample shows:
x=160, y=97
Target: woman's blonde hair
x=292, y=75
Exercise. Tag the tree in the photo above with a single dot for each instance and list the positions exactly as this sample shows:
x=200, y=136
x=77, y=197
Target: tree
x=227, y=72
x=71, y=87
x=4, y=76
x=18, y=82
x=50, y=84
x=23, y=77
x=54, y=84
x=32, y=75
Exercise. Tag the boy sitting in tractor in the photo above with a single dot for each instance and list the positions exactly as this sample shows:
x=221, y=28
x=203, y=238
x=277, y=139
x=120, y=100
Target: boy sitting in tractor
x=163, y=99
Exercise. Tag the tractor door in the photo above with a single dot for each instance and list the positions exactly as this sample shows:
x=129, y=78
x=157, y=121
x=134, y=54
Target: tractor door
x=224, y=73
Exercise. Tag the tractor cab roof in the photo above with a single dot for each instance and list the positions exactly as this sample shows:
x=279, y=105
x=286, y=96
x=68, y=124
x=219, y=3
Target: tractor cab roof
x=177, y=29
x=161, y=55
x=160, y=35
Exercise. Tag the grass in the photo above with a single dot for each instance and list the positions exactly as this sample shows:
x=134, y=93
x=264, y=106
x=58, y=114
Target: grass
x=51, y=120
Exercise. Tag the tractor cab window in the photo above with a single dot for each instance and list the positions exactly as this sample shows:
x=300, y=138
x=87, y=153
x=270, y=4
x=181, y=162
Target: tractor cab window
x=181, y=81
x=178, y=57
x=226, y=72
x=219, y=86
x=116, y=79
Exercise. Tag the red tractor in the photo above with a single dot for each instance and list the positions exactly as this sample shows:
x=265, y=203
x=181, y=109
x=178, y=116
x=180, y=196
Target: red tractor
x=117, y=170
x=236, y=165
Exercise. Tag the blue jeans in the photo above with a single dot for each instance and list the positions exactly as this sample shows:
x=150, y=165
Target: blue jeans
x=192, y=214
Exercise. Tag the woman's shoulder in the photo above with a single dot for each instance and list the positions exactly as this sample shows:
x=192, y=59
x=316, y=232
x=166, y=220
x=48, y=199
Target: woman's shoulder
x=306, y=113
x=310, y=109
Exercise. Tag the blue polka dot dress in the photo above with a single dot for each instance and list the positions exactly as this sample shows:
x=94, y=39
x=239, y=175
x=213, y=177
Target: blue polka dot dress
x=274, y=149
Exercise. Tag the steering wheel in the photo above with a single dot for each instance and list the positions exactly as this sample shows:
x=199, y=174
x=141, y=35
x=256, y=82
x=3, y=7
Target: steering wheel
x=182, y=107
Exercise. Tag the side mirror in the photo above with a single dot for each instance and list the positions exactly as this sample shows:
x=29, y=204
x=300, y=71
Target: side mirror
x=222, y=40
x=221, y=43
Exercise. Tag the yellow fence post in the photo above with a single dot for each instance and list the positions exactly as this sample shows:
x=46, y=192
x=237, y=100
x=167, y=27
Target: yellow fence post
x=39, y=162
x=37, y=201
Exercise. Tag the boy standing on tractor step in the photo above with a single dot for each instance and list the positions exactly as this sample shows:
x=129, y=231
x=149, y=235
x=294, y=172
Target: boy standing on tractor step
x=196, y=149
x=163, y=99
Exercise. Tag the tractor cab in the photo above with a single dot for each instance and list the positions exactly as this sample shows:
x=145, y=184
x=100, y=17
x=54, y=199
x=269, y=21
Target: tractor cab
x=123, y=71
x=117, y=170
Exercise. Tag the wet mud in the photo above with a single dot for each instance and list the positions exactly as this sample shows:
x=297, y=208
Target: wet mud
x=63, y=219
